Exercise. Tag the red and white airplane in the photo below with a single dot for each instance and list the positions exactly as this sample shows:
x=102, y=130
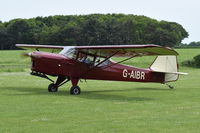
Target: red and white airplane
x=72, y=63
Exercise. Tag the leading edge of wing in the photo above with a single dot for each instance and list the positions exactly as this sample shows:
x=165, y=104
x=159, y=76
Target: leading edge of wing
x=46, y=48
x=127, y=50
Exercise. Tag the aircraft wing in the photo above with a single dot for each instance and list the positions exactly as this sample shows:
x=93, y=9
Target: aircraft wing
x=107, y=50
x=45, y=48
x=126, y=50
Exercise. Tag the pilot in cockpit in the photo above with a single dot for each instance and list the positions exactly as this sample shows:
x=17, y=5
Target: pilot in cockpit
x=84, y=58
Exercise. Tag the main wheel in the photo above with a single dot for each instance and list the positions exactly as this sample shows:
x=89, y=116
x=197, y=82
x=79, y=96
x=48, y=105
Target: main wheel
x=53, y=87
x=75, y=90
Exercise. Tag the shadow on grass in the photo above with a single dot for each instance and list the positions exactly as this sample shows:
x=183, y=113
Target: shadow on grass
x=30, y=91
x=96, y=94
x=154, y=89
x=108, y=95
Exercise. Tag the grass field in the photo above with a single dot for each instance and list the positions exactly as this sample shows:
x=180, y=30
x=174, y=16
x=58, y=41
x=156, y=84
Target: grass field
x=102, y=107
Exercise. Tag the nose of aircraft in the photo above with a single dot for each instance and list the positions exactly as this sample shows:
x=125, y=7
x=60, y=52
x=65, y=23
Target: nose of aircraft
x=48, y=63
x=26, y=54
x=31, y=54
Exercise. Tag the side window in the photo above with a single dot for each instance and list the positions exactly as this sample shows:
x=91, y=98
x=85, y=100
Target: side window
x=102, y=62
x=88, y=59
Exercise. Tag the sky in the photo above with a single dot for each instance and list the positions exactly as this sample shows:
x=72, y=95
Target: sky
x=184, y=12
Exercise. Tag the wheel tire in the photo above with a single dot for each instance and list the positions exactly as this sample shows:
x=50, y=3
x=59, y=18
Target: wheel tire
x=75, y=90
x=52, y=87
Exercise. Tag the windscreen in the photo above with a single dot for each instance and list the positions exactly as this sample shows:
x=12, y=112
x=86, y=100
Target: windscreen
x=69, y=52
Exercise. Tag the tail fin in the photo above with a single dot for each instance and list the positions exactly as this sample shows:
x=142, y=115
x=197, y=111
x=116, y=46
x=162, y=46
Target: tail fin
x=167, y=65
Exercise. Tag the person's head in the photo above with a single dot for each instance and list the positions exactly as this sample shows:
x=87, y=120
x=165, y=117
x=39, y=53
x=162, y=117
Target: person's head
x=82, y=55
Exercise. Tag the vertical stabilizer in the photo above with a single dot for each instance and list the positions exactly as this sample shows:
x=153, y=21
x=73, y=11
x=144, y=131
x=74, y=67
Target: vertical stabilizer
x=167, y=65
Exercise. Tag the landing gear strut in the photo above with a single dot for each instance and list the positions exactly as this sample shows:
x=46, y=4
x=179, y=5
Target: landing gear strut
x=53, y=87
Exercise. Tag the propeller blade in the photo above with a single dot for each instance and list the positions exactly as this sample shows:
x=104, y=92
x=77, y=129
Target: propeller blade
x=26, y=54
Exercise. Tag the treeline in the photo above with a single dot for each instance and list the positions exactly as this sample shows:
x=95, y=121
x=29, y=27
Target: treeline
x=191, y=44
x=94, y=29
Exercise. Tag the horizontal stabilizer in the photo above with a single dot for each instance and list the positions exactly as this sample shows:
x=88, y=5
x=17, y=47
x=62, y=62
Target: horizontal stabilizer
x=180, y=73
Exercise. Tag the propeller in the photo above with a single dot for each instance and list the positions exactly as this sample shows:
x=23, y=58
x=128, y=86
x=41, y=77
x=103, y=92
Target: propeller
x=30, y=54
x=26, y=54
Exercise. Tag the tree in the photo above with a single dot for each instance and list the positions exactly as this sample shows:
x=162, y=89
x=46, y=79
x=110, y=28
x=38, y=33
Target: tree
x=20, y=32
x=94, y=29
x=194, y=44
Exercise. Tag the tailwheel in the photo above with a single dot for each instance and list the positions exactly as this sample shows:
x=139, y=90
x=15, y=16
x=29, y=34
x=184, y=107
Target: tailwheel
x=75, y=90
x=52, y=87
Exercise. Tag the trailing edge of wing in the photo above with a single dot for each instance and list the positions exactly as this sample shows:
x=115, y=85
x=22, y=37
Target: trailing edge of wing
x=46, y=48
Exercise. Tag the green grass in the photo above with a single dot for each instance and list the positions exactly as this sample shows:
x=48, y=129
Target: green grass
x=13, y=61
x=102, y=107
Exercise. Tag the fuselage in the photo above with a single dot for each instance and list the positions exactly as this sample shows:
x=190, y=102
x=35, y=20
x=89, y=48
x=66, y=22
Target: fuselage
x=60, y=65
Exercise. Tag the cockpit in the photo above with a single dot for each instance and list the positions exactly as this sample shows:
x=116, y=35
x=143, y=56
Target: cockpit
x=85, y=57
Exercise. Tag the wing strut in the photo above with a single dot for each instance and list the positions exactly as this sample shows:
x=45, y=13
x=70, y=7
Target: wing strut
x=105, y=59
x=120, y=61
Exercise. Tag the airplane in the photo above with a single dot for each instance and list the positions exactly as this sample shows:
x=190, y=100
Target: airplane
x=73, y=63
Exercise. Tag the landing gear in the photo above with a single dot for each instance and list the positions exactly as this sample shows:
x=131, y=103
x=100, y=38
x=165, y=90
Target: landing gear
x=75, y=90
x=61, y=80
x=52, y=87
x=171, y=87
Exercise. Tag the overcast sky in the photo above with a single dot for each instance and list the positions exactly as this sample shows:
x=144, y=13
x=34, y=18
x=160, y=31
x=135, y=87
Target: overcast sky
x=184, y=12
